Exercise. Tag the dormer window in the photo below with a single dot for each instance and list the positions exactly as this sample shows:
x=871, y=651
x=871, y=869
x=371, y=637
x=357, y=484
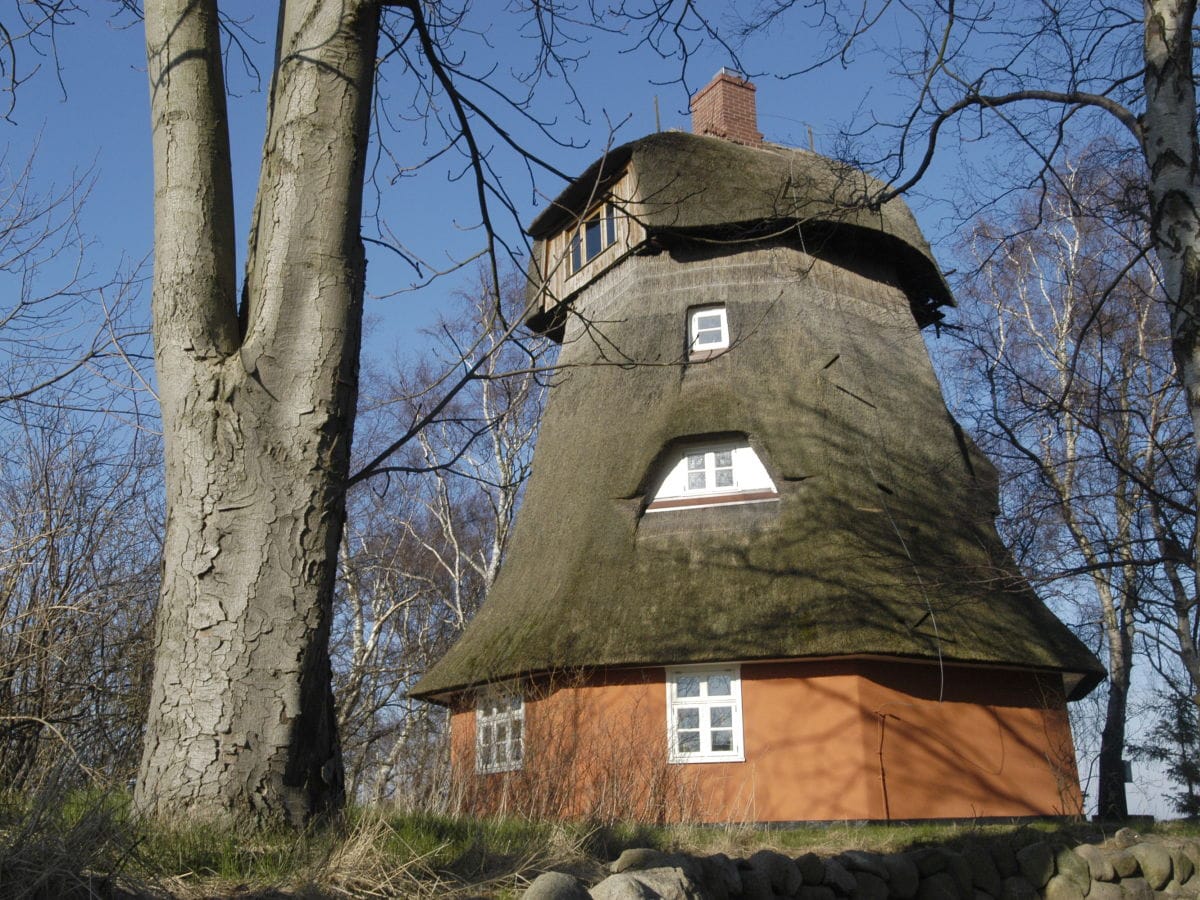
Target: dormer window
x=711, y=474
x=708, y=330
x=596, y=232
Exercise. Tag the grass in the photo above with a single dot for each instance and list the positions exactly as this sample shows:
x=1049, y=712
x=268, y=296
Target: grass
x=87, y=843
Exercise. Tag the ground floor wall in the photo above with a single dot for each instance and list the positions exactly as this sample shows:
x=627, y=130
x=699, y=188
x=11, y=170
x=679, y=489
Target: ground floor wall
x=823, y=740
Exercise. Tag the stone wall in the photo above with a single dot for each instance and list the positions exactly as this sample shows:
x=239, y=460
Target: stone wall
x=1024, y=865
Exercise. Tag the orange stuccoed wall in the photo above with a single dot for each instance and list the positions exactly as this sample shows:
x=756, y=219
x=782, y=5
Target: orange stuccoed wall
x=824, y=740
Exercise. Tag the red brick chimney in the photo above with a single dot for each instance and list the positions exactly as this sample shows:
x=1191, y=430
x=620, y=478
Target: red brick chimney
x=725, y=108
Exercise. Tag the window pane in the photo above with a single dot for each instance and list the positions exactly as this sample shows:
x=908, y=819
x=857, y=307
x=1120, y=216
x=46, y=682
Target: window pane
x=689, y=742
x=687, y=686
x=720, y=717
x=723, y=458
x=722, y=741
x=591, y=238
x=610, y=225
x=719, y=685
x=724, y=477
x=708, y=337
x=687, y=718
x=695, y=460
x=708, y=322
x=696, y=481
x=501, y=732
x=576, y=254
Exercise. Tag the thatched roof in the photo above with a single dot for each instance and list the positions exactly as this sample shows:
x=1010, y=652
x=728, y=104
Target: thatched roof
x=688, y=184
x=882, y=542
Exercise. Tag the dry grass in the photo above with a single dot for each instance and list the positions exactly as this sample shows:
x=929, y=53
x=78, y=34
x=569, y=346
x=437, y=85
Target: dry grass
x=85, y=844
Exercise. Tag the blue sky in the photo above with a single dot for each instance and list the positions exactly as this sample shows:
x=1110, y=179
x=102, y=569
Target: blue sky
x=97, y=119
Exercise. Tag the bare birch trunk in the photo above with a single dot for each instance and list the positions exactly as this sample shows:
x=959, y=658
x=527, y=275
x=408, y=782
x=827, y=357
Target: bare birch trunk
x=1173, y=160
x=258, y=410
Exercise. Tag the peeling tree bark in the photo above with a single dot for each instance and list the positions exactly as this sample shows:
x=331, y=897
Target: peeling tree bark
x=1172, y=153
x=258, y=408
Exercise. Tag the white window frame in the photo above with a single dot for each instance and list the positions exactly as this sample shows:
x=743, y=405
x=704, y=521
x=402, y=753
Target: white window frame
x=712, y=468
x=694, y=329
x=500, y=730
x=704, y=706
x=604, y=217
x=750, y=481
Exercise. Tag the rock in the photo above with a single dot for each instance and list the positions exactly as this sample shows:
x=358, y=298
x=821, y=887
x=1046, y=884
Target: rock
x=666, y=883
x=637, y=858
x=721, y=876
x=1104, y=890
x=958, y=867
x=781, y=871
x=1136, y=889
x=556, y=886
x=1155, y=863
x=929, y=860
x=1191, y=849
x=839, y=878
x=1125, y=838
x=1005, y=858
x=1062, y=887
x=1069, y=865
x=1182, y=867
x=816, y=892
x=756, y=884
x=1017, y=887
x=622, y=886
x=1099, y=864
x=862, y=861
x=1036, y=862
x=903, y=877
x=812, y=870
x=940, y=886
x=869, y=886
x=984, y=874
x=1123, y=863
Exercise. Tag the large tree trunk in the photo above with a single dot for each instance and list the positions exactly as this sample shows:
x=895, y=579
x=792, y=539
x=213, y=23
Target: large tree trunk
x=258, y=410
x=1172, y=152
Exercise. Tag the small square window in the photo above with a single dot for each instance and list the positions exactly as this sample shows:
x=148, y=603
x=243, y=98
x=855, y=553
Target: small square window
x=708, y=330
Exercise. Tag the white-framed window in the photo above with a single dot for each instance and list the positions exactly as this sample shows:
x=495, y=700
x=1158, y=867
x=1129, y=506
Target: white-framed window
x=708, y=329
x=499, y=730
x=597, y=231
x=709, y=470
x=712, y=473
x=704, y=714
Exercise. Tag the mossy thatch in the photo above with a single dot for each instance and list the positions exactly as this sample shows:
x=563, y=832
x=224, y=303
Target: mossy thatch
x=882, y=542
x=686, y=184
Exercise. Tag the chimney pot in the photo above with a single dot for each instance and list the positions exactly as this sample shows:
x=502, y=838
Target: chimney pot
x=725, y=108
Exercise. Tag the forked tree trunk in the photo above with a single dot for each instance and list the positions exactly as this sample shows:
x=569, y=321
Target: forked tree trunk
x=258, y=410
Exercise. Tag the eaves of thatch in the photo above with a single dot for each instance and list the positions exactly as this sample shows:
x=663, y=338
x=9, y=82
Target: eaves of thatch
x=687, y=185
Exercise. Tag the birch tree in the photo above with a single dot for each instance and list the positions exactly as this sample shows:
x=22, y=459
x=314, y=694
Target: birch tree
x=424, y=541
x=1072, y=391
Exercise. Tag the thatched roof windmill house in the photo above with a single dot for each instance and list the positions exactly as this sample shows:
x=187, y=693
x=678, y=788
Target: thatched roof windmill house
x=756, y=575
